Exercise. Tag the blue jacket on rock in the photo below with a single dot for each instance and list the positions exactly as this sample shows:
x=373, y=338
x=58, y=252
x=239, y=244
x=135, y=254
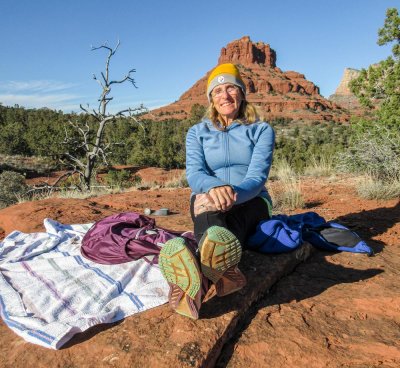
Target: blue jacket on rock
x=239, y=156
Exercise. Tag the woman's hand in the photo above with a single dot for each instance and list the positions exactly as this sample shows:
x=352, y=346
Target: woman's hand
x=203, y=203
x=224, y=197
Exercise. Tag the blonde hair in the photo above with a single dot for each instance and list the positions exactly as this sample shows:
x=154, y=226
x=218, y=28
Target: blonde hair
x=247, y=114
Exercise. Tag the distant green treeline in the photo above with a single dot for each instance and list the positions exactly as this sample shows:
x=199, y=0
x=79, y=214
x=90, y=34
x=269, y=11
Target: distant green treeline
x=41, y=132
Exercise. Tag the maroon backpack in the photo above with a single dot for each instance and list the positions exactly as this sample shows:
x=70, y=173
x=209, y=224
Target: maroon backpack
x=128, y=236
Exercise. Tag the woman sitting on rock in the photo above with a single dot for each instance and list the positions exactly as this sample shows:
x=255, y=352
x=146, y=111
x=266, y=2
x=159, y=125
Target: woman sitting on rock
x=228, y=158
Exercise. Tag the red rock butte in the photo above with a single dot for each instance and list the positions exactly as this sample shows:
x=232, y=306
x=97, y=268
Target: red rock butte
x=278, y=94
x=344, y=97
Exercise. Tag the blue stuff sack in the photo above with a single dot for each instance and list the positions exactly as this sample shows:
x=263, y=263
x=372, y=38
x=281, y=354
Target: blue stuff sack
x=335, y=237
x=275, y=236
x=284, y=233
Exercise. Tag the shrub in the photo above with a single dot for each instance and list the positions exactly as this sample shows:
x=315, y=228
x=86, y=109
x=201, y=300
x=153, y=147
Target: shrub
x=69, y=182
x=375, y=151
x=12, y=188
x=122, y=178
x=23, y=164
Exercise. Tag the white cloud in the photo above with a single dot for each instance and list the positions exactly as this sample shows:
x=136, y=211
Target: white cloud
x=39, y=86
x=61, y=96
x=55, y=101
x=40, y=93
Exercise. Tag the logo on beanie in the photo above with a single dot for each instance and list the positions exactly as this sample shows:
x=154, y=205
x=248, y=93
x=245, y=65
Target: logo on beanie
x=221, y=79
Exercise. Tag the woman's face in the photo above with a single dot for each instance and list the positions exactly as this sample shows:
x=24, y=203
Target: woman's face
x=227, y=99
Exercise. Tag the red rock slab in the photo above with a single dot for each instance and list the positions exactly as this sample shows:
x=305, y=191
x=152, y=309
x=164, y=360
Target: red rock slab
x=160, y=337
x=28, y=216
x=339, y=310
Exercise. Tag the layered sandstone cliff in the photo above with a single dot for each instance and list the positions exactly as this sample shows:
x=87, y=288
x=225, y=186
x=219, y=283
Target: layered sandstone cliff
x=343, y=96
x=278, y=94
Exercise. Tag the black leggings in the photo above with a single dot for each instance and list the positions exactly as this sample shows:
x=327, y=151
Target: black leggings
x=241, y=219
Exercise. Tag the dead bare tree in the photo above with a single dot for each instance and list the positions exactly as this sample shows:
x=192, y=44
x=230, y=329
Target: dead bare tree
x=91, y=139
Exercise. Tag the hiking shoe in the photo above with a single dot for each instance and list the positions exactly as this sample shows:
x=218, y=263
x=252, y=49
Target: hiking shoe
x=180, y=268
x=220, y=253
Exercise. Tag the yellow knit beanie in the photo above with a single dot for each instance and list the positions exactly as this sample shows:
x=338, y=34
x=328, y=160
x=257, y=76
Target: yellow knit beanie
x=225, y=73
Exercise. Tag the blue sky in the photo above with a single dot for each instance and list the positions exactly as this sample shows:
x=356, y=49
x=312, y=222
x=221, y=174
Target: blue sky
x=46, y=59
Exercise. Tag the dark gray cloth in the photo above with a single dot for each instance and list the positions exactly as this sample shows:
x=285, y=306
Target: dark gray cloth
x=241, y=219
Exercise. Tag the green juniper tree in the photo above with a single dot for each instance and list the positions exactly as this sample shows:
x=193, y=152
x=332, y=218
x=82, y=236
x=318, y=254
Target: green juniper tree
x=375, y=145
x=380, y=83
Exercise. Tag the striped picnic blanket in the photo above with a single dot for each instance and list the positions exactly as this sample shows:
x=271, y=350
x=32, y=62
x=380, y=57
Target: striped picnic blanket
x=49, y=292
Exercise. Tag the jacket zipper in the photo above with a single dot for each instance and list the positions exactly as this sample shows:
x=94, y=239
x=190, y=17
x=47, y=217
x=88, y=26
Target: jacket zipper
x=227, y=161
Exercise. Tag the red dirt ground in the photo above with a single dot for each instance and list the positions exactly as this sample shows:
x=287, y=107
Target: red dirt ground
x=334, y=310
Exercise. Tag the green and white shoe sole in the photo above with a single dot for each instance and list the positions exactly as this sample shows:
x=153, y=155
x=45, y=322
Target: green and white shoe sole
x=219, y=250
x=179, y=266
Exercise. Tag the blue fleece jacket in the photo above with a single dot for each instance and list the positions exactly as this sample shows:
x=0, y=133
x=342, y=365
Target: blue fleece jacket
x=239, y=156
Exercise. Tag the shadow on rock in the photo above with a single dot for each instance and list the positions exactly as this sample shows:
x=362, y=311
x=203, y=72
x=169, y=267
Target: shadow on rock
x=313, y=277
x=371, y=223
x=309, y=279
x=313, y=204
x=88, y=334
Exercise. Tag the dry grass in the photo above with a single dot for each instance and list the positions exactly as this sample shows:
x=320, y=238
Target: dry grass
x=74, y=193
x=178, y=181
x=69, y=193
x=371, y=188
x=281, y=170
x=317, y=167
x=287, y=193
x=287, y=197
